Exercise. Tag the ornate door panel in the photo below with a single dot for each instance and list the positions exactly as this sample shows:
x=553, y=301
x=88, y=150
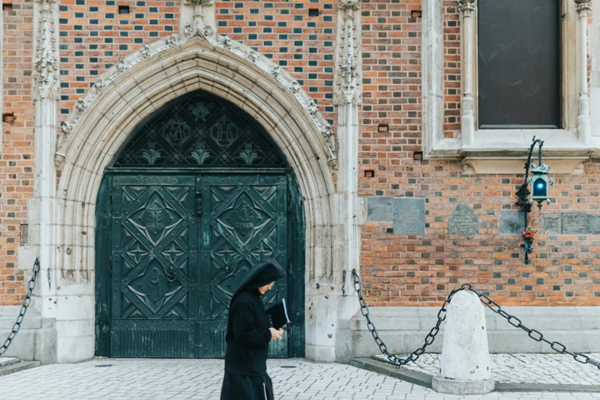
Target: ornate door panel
x=244, y=219
x=154, y=262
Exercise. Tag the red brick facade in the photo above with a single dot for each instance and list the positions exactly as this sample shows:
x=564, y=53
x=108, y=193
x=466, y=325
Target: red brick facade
x=415, y=270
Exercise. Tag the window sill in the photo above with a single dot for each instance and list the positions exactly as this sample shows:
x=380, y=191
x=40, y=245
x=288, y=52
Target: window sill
x=505, y=151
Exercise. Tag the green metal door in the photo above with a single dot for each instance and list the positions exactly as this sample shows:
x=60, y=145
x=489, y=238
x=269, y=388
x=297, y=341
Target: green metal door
x=179, y=247
x=196, y=197
x=243, y=220
x=154, y=257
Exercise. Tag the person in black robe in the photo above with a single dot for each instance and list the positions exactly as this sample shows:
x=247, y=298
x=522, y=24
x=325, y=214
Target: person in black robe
x=248, y=336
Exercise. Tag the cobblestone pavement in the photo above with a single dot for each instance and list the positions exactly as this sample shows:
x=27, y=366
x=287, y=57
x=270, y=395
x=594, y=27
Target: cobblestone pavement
x=558, y=369
x=112, y=379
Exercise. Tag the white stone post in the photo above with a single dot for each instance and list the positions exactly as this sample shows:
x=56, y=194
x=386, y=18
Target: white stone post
x=583, y=118
x=41, y=207
x=465, y=362
x=467, y=118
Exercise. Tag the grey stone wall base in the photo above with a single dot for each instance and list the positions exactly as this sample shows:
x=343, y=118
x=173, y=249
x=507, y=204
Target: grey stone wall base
x=36, y=340
x=451, y=386
x=403, y=329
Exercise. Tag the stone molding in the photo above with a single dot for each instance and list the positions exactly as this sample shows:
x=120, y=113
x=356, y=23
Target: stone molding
x=45, y=61
x=348, y=76
x=154, y=52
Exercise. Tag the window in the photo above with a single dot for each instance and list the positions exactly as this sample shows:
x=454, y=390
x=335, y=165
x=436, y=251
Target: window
x=523, y=73
x=518, y=62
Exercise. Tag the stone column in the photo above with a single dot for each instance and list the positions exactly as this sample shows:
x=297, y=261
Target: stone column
x=583, y=118
x=41, y=207
x=1, y=74
x=348, y=98
x=467, y=8
x=594, y=53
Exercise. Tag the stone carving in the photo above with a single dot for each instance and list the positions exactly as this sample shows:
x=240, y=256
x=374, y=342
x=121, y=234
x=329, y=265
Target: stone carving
x=463, y=221
x=408, y=215
x=466, y=6
x=100, y=84
x=574, y=223
x=348, y=74
x=81, y=105
x=122, y=65
x=146, y=51
x=66, y=128
x=276, y=71
x=295, y=87
x=45, y=60
x=172, y=40
x=208, y=31
x=583, y=5
x=253, y=56
x=511, y=222
x=226, y=42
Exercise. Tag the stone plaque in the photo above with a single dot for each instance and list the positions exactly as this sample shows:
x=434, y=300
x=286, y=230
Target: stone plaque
x=380, y=209
x=574, y=223
x=593, y=224
x=511, y=222
x=463, y=221
x=550, y=224
x=409, y=216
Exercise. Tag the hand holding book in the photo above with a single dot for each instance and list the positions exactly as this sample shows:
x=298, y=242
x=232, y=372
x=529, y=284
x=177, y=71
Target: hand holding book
x=278, y=315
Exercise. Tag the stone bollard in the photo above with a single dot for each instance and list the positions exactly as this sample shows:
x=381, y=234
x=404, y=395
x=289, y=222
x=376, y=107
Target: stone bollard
x=465, y=362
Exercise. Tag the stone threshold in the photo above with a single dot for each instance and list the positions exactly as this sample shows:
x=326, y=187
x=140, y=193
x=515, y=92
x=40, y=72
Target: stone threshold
x=423, y=379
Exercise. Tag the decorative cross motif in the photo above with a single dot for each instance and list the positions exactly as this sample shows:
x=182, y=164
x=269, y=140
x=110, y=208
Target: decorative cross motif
x=137, y=253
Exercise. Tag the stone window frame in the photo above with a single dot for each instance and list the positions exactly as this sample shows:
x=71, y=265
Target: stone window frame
x=503, y=150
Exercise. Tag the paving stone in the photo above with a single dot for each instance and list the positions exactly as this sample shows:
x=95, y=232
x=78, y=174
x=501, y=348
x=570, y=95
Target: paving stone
x=201, y=379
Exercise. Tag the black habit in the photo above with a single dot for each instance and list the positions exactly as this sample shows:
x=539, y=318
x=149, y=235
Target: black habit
x=248, y=338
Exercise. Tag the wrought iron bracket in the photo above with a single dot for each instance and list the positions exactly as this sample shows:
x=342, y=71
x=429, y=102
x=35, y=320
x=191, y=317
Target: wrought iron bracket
x=524, y=202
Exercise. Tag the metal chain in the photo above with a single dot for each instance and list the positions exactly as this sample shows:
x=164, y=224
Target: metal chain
x=26, y=303
x=429, y=339
x=532, y=333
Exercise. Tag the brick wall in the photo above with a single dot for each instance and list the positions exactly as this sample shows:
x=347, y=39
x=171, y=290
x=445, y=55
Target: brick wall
x=300, y=36
x=16, y=159
x=300, y=40
x=95, y=34
x=420, y=270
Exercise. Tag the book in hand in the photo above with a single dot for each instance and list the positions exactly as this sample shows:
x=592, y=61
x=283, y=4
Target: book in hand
x=278, y=315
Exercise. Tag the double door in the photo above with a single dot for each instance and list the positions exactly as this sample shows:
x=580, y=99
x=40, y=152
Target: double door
x=178, y=247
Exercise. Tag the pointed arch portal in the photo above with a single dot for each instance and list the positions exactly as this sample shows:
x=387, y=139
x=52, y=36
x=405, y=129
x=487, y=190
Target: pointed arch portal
x=198, y=195
x=105, y=134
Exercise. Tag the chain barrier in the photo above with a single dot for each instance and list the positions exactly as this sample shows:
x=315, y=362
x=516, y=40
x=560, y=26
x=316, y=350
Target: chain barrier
x=26, y=303
x=430, y=338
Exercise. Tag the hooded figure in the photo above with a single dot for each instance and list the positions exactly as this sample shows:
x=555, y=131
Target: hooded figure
x=248, y=337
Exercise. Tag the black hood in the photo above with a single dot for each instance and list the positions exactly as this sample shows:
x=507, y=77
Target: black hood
x=263, y=273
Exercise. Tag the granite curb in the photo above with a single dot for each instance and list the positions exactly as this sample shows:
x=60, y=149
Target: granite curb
x=18, y=366
x=425, y=380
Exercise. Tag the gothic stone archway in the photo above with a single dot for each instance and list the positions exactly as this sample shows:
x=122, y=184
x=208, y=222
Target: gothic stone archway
x=198, y=196
x=103, y=130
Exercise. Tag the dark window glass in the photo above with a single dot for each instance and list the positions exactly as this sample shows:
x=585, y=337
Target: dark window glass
x=519, y=64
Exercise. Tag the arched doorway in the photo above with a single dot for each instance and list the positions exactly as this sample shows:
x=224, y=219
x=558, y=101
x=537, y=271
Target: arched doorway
x=197, y=196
